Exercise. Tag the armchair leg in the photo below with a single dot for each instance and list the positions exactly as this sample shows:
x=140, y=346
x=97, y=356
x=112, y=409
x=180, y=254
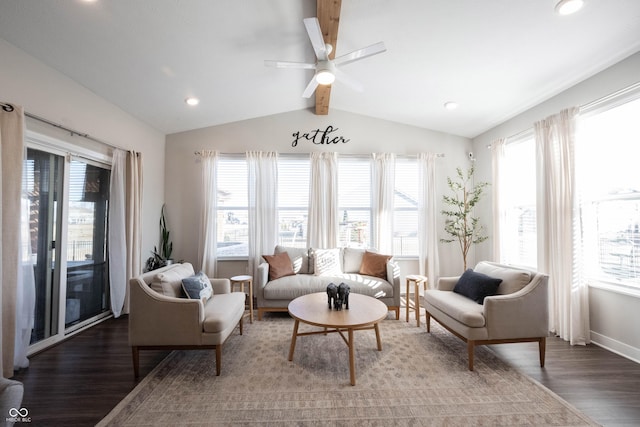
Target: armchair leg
x=470, y=347
x=241, y=323
x=135, y=354
x=218, y=359
x=542, y=345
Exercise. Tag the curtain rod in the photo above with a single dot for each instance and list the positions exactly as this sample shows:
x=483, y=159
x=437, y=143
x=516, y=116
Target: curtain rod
x=9, y=108
x=198, y=153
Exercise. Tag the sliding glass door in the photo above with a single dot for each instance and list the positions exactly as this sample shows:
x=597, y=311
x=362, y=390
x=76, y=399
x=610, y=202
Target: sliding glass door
x=68, y=203
x=43, y=176
x=86, y=255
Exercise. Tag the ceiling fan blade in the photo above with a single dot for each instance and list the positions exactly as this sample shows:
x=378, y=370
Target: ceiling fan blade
x=359, y=54
x=317, y=40
x=289, y=64
x=348, y=80
x=311, y=87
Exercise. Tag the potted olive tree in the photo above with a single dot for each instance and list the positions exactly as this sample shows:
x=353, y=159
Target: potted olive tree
x=161, y=257
x=461, y=225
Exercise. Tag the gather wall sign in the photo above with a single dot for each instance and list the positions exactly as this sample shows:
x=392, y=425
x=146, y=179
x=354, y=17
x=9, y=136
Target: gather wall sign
x=319, y=137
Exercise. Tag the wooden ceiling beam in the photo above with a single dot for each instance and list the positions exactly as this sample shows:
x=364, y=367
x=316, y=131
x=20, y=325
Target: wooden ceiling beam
x=328, y=12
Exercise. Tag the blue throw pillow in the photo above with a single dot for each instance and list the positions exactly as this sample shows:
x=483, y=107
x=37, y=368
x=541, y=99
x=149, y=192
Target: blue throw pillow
x=476, y=286
x=198, y=286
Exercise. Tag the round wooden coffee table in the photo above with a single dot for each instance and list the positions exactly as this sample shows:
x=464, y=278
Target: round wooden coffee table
x=364, y=312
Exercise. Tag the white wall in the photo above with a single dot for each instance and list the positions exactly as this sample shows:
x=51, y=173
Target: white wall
x=274, y=133
x=44, y=92
x=615, y=316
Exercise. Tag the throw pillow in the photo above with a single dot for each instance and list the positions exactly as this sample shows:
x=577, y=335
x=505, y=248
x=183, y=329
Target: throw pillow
x=198, y=286
x=374, y=264
x=326, y=262
x=299, y=258
x=476, y=286
x=279, y=265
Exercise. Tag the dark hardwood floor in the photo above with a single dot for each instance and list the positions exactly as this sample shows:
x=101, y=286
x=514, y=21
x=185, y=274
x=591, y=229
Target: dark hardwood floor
x=78, y=382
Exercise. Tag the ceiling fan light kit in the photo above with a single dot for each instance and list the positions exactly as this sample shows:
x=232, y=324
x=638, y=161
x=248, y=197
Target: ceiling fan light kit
x=567, y=7
x=327, y=69
x=325, y=72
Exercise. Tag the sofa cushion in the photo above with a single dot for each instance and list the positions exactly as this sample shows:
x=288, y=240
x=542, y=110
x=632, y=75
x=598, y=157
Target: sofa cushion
x=513, y=279
x=219, y=311
x=374, y=264
x=279, y=265
x=290, y=287
x=461, y=308
x=352, y=260
x=197, y=286
x=326, y=262
x=299, y=258
x=476, y=285
x=169, y=282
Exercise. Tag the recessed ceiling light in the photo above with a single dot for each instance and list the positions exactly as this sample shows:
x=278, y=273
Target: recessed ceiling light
x=450, y=105
x=567, y=7
x=192, y=101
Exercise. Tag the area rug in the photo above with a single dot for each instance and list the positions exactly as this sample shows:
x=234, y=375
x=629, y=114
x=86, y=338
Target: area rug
x=418, y=379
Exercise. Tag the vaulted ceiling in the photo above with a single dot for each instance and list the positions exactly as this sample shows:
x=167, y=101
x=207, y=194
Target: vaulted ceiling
x=495, y=58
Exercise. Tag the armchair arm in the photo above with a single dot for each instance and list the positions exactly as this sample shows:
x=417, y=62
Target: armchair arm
x=447, y=283
x=393, y=277
x=522, y=314
x=263, y=276
x=220, y=286
x=156, y=319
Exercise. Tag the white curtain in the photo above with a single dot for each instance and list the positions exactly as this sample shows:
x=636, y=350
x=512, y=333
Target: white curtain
x=263, y=204
x=208, y=223
x=383, y=195
x=133, y=218
x=117, y=231
x=26, y=290
x=125, y=228
x=323, y=201
x=428, y=218
x=497, y=163
x=559, y=246
x=15, y=323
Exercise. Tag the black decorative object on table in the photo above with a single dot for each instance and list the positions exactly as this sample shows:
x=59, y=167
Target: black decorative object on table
x=343, y=296
x=332, y=294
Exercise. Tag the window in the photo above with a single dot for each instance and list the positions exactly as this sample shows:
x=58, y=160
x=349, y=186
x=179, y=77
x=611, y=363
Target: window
x=518, y=200
x=293, y=201
x=405, y=215
x=607, y=153
x=233, y=208
x=354, y=202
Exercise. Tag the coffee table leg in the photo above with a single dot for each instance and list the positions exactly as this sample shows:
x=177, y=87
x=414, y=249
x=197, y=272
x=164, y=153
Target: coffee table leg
x=293, y=340
x=352, y=361
x=379, y=341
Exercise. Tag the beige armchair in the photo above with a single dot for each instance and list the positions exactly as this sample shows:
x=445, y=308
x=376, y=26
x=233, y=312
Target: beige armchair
x=11, y=393
x=518, y=313
x=160, y=318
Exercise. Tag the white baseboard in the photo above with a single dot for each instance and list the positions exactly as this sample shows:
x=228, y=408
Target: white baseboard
x=624, y=350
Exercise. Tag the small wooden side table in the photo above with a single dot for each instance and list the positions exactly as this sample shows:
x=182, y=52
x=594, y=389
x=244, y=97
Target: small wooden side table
x=241, y=280
x=416, y=279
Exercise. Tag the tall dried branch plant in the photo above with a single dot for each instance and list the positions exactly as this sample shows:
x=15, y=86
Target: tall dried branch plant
x=461, y=225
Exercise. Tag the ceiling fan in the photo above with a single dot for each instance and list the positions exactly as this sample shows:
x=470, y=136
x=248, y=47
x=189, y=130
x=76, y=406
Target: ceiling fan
x=327, y=70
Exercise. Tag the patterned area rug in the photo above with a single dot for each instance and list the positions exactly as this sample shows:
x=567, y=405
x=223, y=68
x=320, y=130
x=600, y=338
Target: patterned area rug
x=417, y=379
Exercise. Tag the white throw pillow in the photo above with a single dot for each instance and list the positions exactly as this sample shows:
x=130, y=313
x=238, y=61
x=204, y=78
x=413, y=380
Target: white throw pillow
x=326, y=262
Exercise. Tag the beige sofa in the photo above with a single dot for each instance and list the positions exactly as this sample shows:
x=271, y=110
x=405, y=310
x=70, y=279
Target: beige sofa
x=161, y=318
x=517, y=313
x=275, y=295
